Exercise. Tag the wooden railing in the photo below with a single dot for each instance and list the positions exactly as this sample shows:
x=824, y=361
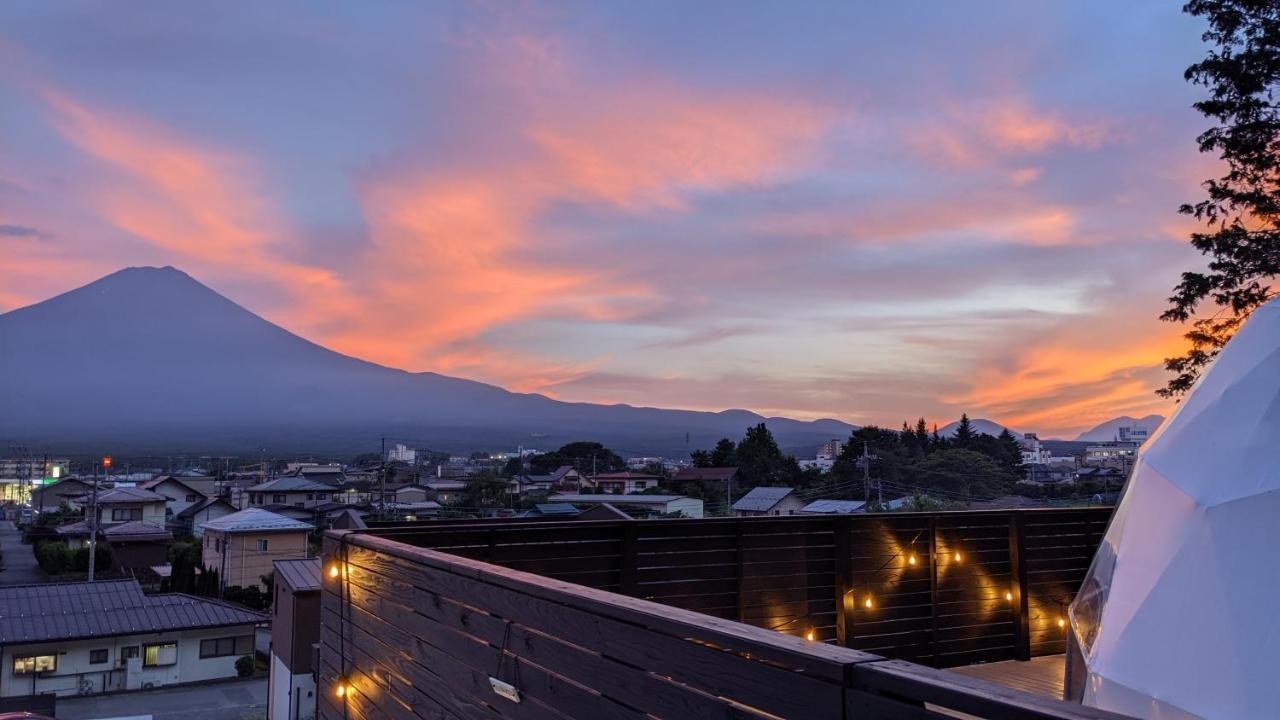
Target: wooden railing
x=945, y=589
x=412, y=632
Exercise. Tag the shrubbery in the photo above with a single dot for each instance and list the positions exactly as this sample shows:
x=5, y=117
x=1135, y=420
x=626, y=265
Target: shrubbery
x=54, y=557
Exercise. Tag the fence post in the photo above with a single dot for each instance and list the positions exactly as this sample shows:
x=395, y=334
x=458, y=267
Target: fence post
x=842, y=528
x=1018, y=576
x=933, y=586
x=629, y=582
x=742, y=564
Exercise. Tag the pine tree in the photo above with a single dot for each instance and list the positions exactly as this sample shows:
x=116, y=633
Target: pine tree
x=964, y=432
x=922, y=436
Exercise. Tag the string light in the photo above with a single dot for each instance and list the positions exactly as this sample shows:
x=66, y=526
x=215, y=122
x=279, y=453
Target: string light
x=810, y=635
x=957, y=557
x=867, y=603
x=1062, y=622
x=911, y=559
x=1008, y=596
x=333, y=571
x=341, y=686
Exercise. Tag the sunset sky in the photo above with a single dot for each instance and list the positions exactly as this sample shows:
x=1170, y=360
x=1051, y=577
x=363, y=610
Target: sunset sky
x=866, y=211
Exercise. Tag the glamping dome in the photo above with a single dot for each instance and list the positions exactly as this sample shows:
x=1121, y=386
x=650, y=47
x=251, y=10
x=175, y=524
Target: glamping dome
x=1179, y=616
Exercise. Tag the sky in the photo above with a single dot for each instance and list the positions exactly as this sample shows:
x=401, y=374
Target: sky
x=864, y=211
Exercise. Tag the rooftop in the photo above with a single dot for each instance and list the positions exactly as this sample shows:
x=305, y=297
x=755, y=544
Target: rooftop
x=291, y=483
x=833, y=506
x=761, y=499
x=722, y=474
x=121, y=532
x=65, y=611
x=299, y=575
x=126, y=495
x=617, y=499
x=255, y=520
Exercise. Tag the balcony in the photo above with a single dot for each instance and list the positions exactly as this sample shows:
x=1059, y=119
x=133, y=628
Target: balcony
x=828, y=617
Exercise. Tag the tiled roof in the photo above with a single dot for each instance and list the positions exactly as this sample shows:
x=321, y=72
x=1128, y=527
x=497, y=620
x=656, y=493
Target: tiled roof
x=255, y=520
x=556, y=509
x=120, y=496
x=299, y=575
x=193, y=509
x=119, y=532
x=626, y=475
x=761, y=499
x=617, y=499
x=65, y=611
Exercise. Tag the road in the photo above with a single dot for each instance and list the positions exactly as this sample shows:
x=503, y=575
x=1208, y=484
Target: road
x=231, y=700
x=20, y=566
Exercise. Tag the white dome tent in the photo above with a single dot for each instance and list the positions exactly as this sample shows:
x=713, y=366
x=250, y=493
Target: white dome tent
x=1179, y=616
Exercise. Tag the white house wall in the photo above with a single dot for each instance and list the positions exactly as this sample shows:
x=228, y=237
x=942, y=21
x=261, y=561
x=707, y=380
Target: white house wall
x=74, y=666
x=292, y=697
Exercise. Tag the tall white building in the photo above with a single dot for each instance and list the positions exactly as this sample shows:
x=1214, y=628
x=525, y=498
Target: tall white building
x=1033, y=453
x=1132, y=434
x=402, y=453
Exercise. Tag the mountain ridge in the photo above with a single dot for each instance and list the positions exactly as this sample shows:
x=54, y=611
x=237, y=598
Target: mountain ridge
x=152, y=353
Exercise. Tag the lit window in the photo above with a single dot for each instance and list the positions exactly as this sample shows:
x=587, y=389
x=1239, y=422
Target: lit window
x=34, y=664
x=159, y=654
x=262, y=545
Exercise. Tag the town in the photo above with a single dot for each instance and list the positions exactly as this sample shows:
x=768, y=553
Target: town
x=210, y=566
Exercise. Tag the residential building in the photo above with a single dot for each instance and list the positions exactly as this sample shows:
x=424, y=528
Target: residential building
x=402, y=453
x=1033, y=452
x=292, y=490
x=193, y=518
x=718, y=477
x=640, y=463
x=84, y=638
x=1110, y=451
x=769, y=501
x=295, y=635
x=833, y=507
x=135, y=546
x=623, y=483
x=637, y=504
x=1045, y=474
x=51, y=497
x=181, y=494
x=820, y=463
x=447, y=491
x=1132, y=434
x=831, y=449
x=242, y=546
x=129, y=504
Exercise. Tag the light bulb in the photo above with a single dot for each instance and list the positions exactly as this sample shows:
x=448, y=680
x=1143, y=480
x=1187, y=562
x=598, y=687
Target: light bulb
x=340, y=687
x=957, y=557
x=1008, y=596
x=333, y=570
x=810, y=635
x=867, y=602
x=1062, y=622
x=911, y=560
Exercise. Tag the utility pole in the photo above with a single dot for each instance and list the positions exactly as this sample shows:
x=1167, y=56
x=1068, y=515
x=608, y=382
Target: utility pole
x=93, y=517
x=864, y=462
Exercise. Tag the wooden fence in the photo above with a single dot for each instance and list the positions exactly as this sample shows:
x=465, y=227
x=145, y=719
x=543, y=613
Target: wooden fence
x=411, y=632
x=945, y=589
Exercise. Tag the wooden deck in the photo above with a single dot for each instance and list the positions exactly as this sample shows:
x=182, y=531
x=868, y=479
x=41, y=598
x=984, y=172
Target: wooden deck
x=1040, y=676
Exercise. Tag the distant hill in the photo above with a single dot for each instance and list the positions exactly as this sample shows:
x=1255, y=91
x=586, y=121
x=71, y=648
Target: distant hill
x=1108, y=429
x=980, y=425
x=148, y=360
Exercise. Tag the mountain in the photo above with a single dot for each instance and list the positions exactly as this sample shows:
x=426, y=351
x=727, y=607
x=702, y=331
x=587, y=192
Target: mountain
x=1108, y=429
x=980, y=425
x=148, y=360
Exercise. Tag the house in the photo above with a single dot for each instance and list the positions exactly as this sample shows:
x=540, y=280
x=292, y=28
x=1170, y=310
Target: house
x=83, y=638
x=718, y=477
x=293, y=490
x=241, y=546
x=181, y=495
x=768, y=501
x=295, y=634
x=637, y=504
x=447, y=491
x=130, y=504
x=623, y=483
x=833, y=507
x=51, y=497
x=1043, y=474
x=193, y=518
x=551, y=510
x=135, y=546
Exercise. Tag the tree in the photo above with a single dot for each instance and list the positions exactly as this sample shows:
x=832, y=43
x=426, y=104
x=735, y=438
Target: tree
x=923, y=441
x=724, y=454
x=761, y=462
x=1012, y=454
x=961, y=472
x=582, y=455
x=514, y=466
x=1241, y=209
x=963, y=437
x=485, y=489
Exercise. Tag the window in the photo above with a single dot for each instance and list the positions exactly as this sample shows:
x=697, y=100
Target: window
x=226, y=647
x=34, y=664
x=192, y=497
x=311, y=496
x=126, y=514
x=262, y=545
x=322, y=496
x=159, y=654
x=97, y=657
x=129, y=651
x=300, y=504
x=279, y=499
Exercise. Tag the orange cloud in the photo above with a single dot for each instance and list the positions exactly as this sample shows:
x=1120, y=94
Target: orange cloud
x=971, y=136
